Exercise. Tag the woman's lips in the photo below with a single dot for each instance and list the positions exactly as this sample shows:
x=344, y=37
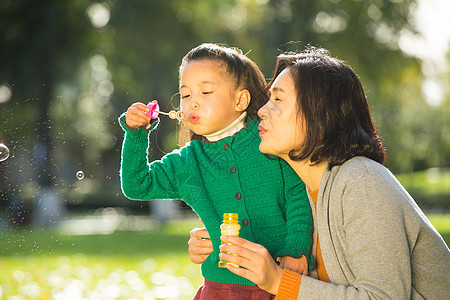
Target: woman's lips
x=261, y=130
x=194, y=119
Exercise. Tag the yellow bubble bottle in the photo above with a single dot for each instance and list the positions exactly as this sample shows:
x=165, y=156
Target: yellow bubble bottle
x=230, y=226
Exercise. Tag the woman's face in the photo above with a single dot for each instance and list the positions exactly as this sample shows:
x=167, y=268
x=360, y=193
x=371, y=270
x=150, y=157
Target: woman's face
x=208, y=97
x=280, y=129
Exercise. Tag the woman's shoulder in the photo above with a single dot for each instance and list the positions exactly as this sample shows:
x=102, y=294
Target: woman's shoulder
x=360, y=170
x=364, y=182
x=360, y=166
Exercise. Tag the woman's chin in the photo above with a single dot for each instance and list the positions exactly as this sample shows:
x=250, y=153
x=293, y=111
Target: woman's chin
x=264, y=149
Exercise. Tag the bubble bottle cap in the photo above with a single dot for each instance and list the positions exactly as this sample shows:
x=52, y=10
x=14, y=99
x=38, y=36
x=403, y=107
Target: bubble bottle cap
x=154, y=109
x=230, y=217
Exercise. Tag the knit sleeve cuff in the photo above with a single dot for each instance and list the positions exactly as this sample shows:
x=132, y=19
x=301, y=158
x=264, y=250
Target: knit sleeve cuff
x=289, y=285
x=140, y=131
x=295, y=249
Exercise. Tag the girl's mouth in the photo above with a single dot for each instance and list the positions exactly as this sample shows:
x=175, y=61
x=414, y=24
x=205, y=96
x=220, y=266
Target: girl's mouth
x=194, y=119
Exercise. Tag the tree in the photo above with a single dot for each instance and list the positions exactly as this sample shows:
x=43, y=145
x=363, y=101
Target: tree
x=43, y=43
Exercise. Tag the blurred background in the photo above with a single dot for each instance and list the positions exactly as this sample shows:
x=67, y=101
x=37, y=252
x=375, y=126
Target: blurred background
x=68, y=69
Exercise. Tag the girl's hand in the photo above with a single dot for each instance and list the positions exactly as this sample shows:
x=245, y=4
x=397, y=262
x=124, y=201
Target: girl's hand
x=299, y=265
x=200, y=245
x=259, y=266
x=136, y=117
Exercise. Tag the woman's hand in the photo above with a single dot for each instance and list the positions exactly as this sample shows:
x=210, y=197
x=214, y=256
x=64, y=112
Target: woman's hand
x=136, y=115
x=260, y=268
x=200, y=245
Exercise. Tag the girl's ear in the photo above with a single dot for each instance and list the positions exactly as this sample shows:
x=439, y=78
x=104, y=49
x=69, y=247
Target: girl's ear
x=243, y=100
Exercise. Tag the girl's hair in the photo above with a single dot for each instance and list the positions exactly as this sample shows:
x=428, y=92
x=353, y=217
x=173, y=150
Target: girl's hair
x=244, y=73
x=334, y=109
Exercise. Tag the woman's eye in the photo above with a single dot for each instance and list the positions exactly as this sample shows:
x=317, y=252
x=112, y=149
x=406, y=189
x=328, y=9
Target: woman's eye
x=275, y=99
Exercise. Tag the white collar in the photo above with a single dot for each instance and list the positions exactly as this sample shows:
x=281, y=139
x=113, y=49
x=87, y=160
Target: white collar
x=230, y=130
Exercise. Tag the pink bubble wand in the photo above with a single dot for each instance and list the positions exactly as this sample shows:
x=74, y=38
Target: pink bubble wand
x=154, y=112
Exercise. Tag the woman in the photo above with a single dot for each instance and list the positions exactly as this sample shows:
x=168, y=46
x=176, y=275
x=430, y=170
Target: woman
x=371, y=240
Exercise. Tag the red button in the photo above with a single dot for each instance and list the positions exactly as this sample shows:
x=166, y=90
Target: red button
x=245, y=222
x=233, y=169
x=238, y=196
x=225, y=146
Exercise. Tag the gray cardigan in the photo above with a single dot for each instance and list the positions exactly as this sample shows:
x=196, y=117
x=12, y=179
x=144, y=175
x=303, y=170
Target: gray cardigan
x=375, y=241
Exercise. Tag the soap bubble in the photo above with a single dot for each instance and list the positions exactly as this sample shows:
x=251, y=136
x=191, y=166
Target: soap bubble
x=80, y=175
x=4, y=152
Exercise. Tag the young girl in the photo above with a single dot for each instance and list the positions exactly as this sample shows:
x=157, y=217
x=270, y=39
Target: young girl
x=221, y=169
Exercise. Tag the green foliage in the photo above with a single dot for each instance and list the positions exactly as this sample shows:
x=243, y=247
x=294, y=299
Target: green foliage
x=442, y=223
x=430, y=188
x=43, y=42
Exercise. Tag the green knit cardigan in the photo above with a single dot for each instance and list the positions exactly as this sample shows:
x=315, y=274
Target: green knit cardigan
x=227, y=176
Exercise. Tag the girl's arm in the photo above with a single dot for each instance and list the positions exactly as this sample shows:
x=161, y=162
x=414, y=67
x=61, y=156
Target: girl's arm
x=299, y=222
x=142, y=180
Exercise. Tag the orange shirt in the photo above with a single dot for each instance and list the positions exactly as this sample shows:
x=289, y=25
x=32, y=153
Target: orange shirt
x=321, y=271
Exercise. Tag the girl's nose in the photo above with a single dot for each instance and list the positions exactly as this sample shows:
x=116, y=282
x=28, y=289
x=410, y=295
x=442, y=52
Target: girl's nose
x=194, y=105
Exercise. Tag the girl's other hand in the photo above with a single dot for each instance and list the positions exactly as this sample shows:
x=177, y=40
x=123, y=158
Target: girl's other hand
x=200, y=245
x=257, y=264
x=136, y=116
x=298, y=265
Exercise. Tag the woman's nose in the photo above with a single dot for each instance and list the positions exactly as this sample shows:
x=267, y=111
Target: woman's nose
x=262, y=112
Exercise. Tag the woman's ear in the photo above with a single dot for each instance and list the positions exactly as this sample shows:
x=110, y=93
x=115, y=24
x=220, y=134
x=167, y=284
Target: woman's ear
x=243, y=100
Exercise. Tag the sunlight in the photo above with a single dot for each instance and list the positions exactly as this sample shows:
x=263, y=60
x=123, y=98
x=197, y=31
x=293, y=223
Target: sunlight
x=325, y=22
x=431, y=45
x=99, y=14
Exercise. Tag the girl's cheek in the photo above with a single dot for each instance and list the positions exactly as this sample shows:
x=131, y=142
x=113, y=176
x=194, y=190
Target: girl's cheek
x=183, y=106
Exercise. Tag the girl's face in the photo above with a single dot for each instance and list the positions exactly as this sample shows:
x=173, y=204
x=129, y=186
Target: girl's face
x=208, y=97
x=280, y=129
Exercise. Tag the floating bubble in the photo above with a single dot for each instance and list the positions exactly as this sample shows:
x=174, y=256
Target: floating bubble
x=4, y=152
x=80, y=175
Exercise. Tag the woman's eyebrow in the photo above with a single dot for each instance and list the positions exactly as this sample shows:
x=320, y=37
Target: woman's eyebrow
x=277, y=89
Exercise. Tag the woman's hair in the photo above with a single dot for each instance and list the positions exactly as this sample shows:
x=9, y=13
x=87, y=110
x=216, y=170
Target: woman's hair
x=333, y=107
x=243, y=72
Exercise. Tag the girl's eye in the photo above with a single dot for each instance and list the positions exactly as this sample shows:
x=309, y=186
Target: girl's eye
x=185, y=96
x=206, y=93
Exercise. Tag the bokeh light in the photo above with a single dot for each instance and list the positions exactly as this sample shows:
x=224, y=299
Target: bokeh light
x=5, y=93
x=80, y=175
x=4, y=152
x=99, y=14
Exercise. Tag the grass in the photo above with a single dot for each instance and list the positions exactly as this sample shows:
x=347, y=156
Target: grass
x=152, y=264
x=48, y=264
